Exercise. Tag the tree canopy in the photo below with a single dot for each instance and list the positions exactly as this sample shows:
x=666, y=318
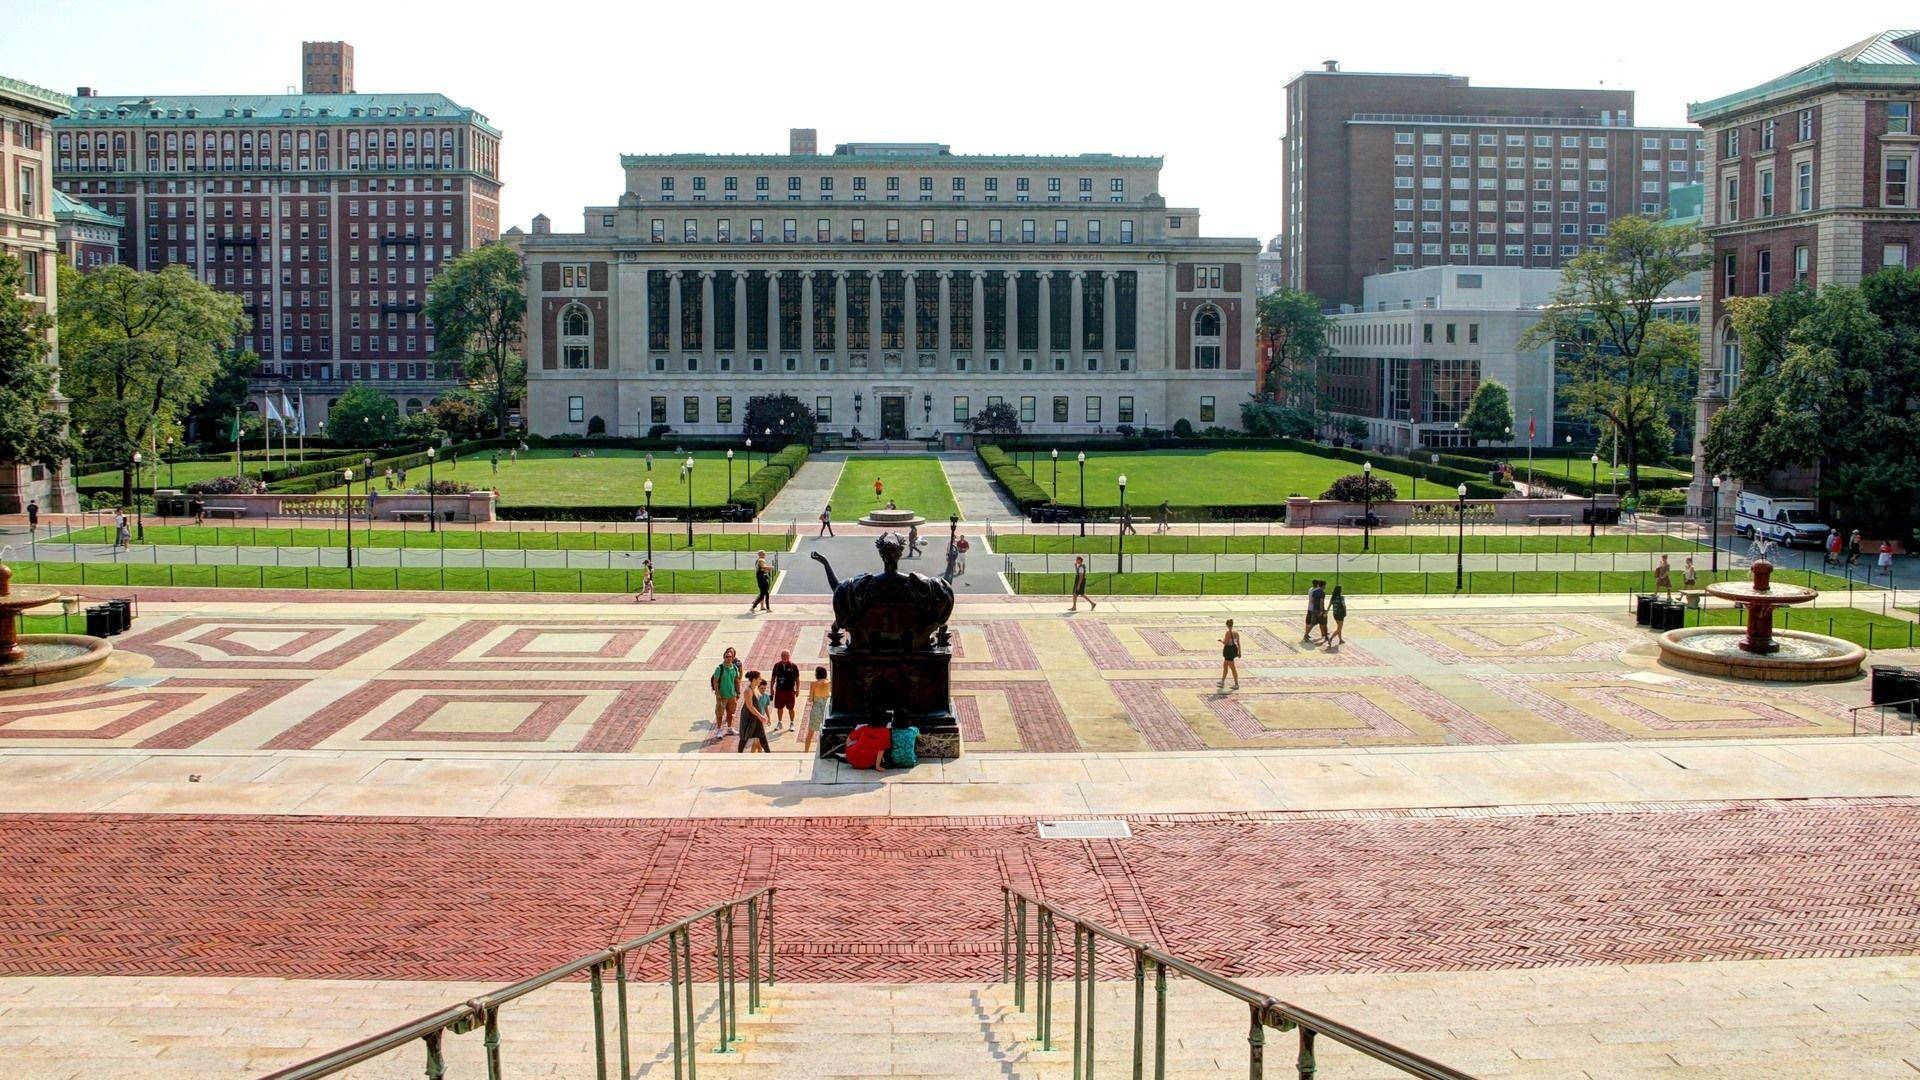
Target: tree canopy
x=1291, y=322
x=30, y=429
x=478, y=307
x=1623, y=363
x=363, y=416
x=781, y=418
x=995, y=418
x=1489, y=416
x=138, y=349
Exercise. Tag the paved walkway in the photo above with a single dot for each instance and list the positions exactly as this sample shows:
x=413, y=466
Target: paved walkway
x=852, y=553
x=979, y=497
x=807, y=492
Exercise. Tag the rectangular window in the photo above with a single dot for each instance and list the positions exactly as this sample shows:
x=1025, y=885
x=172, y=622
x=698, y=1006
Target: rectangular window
x=859, y=230
x=1899, y=118
x=756, y=229
x=1733, y=143
x=576, y=409
x=789, y=229
x=1803, y=186
x=993, y=230
x=1896, y=175
x=1800, y=262
x=962, y=410
x=1730, y=200
x=1026, y=230
x=893, y=229
x=690, y=229
x=1123, y=409
x=1092, y=414
x=1763, y=270
x=823, y=409
x=1029, y=405
x=823, y=229
x=1206, y=408
x=1060, y=230
x=689, y=410
x=926, y=230
x=723, y=230
x=723, y=410
x=1093, y=231
x=1730, y=275
x=1764, y=181
x=1894, y=255
x=960, y=231
x=1126, y=231
x=1059, y=409
x=1806, y=125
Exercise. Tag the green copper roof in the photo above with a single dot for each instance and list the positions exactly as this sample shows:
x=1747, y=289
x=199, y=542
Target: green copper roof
x=38, y=95
x=1890, y=58
x=905, y=162
x=65, y=207
x=255, y=108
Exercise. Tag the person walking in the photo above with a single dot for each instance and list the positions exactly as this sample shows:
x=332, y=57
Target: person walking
x=915, y=545
x=199, y=508
x=496, y=463
x=753, y=715
x=961, y=547
x=1126, y=523
x=649, y=461
x=513, y=455
x=1833, y=547
x=646, y=582
x=1080, y=585
x=1886, y=560
x=819, y=698
x=1230, y=656
x=1689, y=577
x=1853, y=548
x=1663, y=576
x=763, y=579
x=786, y=690
x=1166, y=516
x=122, y=536
x=725, y=682
x=826, y=521
x=879, y=491
x=33, y=517
x=1316, y=611
x=1337, y=607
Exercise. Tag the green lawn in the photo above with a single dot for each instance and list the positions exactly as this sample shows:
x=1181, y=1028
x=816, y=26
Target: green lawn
x=452, y=579
x=913, y=483
x=609, y=478
x=183, y=473
x=1581, y=468
x=1384, y=543
x=1203, y=477
x=1281, y=583
x=667, y=536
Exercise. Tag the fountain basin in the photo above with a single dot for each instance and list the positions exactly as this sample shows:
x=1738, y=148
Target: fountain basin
x=893, y=519
x=1799, y=656
x=52, y=658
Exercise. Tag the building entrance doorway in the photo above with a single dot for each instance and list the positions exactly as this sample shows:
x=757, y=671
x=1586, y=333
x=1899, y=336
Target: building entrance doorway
x=893, y=417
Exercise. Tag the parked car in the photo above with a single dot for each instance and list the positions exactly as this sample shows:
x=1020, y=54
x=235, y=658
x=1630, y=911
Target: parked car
x=1786, y=521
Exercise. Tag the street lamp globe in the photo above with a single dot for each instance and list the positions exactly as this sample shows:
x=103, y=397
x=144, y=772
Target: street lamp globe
x=1123, y=481
x=1367, y=468
x=689, y=461
x=1056, y=455
x=647, y=487
x=1083, y=457
x=347, y=475
x=1716, y=482
x=1461, y=491
x=136, y=457
x=729, y=455
x=1595, y=459
x=431, y=454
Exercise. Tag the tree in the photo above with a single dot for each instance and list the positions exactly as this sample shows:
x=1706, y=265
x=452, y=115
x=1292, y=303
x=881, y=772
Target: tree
x=782, y=418
x=478, y=307
x=997, y=418
x=1621, y=360
x=31, y=430
x=1489, y=416
x=137, y=350
x=1353, y=487
x=363, y=416
x=1291, y=323
x=456, y=413
x=1269, y=420
x=1828, y=386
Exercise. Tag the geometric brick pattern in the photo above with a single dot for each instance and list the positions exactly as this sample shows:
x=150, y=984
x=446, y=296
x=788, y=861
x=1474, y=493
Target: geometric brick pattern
x=1161, y=647
x=1606, y=708
x=1357, y=711
x=602, y=717
x=504, y=645
x=172, y=716
x=1039, y=723
x=915, y=899
x=238, y=645
x=1501, y=637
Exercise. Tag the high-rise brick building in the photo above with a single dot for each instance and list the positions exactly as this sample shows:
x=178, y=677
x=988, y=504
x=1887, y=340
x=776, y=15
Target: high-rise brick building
x=328, y=214
x=1812, y=178
x=1394, y=172
x=326, y=67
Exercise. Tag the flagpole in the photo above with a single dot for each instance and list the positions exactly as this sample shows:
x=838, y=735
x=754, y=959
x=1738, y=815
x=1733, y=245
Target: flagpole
x=236, y=442
x=1529, y=452
x=303, y=425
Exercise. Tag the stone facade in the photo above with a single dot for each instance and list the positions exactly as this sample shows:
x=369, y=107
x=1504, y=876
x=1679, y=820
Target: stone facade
x=28, y=233
x=877, y=284
x=1813, y=178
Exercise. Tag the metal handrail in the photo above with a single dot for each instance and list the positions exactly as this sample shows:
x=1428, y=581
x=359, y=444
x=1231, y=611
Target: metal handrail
x=483, y=1011
x=1909, y=706
x=1264, y=1011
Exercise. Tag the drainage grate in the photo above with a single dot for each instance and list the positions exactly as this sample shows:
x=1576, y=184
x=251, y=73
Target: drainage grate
x=1085, y=830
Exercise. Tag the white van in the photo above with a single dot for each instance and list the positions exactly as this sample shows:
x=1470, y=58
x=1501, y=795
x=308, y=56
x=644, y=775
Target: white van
x=1789, y=522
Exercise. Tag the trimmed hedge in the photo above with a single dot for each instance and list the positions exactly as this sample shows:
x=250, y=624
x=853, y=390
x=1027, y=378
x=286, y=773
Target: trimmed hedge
x=1012, y=479
x=759, y=489
x=318, y=479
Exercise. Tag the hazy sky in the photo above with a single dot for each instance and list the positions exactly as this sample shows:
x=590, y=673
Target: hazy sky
x=574, y=85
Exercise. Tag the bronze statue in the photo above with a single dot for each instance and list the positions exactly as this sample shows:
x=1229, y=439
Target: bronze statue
x=889, y=611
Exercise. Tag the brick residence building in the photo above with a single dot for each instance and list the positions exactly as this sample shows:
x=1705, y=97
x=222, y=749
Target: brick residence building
x=1386, y=172
x=27, y=232
x=1813, y=178
x=328, y=214
x=89, y=238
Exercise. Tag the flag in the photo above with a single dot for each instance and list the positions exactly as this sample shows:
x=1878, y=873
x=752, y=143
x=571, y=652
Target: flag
x=236, y=427
x=1529, y=427
x=273, y=414
x=286, y=411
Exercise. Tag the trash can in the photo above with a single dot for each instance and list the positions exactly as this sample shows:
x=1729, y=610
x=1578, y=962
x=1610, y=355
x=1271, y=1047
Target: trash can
x=1668, y=615
x=1891, y=684
x=99, y=621
x=122, y=615
x=1643, y=609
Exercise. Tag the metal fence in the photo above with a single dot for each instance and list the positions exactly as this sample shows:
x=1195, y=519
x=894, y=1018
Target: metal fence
x=376, y=557
x=435, y=579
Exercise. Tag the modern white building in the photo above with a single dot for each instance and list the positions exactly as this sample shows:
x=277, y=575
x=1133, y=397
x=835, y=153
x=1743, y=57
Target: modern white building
x=896, y=288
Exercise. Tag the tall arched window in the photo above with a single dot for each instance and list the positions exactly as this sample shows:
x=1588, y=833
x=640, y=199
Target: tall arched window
x=576, y=337
x=1206, y=337
x=413, y=406
x=1729, y=359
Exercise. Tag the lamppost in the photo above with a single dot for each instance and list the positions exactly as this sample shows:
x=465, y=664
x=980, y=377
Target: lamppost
x=347, y=475
x=1120, y=537
x=1593, y=511
x=1713, y=517
x=749, y=460
x=729, y=471
x=139, y=518
x=689, y=468
x=1460, y=548
x=1366, y=523
x=856, y=410
x=1569, y=445
x=1056, y=475
x=953, y=529
x=369, y=482
x=433, y=515
x=1083, y=493
x=167, y=455
x=648, y=489
x=766, y=445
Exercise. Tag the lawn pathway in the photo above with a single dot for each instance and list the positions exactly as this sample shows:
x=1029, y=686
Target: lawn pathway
x=980, y=499
x=808, y=491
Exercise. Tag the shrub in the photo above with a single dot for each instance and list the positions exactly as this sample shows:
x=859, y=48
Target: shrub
x=1356, y=488
x=227, y=485
x=1183, y=428
x=447, y=487
x=997, y=418
x=596, y=426
x=759, y=489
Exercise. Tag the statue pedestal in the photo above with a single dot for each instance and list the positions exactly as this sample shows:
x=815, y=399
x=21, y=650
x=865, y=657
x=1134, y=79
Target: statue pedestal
x=867, y=684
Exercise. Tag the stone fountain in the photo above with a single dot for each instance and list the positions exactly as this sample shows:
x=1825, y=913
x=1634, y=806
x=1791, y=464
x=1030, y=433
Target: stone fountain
x=1758, y=651
x=33, y=659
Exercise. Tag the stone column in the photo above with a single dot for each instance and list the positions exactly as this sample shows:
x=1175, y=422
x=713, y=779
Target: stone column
x=839, y=320
x=1013, y=318
x=773, y=320
x=910, y=319
x=673, y=314
x=739, y=313
x=1077, y=318
x=806, y=319
x=1046, y=319
x=977, y=354
x=945, y=333
x=706, y=316
x=1109, y=320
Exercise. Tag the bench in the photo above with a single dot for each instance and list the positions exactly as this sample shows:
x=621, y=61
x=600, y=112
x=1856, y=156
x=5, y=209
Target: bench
x=224, y=511
x=1550, y=519
x=410, y=515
